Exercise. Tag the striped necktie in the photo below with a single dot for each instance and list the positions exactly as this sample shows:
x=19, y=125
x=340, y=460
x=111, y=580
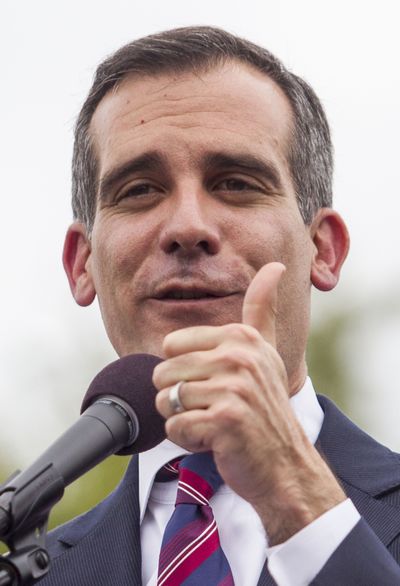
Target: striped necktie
x=191, y=553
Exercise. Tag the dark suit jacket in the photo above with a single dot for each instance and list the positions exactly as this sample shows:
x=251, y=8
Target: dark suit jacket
x=102, y=547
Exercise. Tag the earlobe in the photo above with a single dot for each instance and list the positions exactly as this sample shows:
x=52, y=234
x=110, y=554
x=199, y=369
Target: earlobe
x=76, y=256
x=331, y=245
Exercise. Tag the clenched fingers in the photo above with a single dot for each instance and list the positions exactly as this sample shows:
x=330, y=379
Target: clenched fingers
x=204, y=394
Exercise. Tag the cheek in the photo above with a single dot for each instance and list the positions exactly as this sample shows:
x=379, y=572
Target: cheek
x=118, y=249
x=284, y=239
x=262, y=239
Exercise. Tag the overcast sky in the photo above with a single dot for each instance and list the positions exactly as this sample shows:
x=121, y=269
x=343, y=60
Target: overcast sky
x=348, y=51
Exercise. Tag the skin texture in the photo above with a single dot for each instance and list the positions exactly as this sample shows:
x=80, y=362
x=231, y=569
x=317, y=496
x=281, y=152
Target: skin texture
x=195, y=198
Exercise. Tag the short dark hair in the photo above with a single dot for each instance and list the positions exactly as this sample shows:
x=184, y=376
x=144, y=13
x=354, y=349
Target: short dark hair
x=180, y=50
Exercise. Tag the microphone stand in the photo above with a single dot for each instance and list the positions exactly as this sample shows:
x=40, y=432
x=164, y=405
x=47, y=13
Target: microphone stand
x=109, y=425
x=23, y=525
x=27, y=497
x=28, y=560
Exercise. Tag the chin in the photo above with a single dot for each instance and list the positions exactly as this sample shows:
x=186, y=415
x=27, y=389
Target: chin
x=143, y=346
x=149, y=340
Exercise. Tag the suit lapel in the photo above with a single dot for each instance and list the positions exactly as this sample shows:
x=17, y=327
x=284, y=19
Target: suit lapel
x=367, y=470
x=101, y=547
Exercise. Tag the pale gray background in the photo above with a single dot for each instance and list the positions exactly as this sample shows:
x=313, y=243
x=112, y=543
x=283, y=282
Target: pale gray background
x=49, y=347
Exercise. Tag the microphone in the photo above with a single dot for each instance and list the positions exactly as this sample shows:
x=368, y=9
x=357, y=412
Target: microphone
x=118, y=416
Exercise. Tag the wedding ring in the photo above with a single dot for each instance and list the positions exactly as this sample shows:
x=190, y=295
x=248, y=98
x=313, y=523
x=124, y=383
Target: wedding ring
x=174, y=399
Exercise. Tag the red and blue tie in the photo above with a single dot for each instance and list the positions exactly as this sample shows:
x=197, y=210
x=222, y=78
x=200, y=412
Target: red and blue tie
x=191, y=553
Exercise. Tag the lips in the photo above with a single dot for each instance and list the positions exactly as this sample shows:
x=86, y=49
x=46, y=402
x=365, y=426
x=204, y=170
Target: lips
x=190, y=292
x=187, y=295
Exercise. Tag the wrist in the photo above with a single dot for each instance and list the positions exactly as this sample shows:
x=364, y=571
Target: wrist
x=298, y=496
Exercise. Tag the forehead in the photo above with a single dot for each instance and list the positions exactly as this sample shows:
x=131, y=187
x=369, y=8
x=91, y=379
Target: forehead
x=232, y=107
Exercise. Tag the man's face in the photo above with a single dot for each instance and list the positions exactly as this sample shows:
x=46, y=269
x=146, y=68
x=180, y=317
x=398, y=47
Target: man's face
x=195, y=195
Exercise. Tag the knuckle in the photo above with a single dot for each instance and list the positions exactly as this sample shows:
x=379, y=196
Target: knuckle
x=161, y=403
x=243, y=333
x=238, y=388
x=176, y=431
x=172, y=429
x=233, y=329
x=251, y=335
x=183, y=432
x=169, y=344
x=238, y=358
x=228, y=413
x=157, y=375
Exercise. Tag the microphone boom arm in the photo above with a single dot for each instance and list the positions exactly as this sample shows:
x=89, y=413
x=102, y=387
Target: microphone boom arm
x=27, y=498
x=23, y=527
x=110, y=424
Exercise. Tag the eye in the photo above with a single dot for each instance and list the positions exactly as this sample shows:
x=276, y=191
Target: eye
x=137, y=190
x=236, y=184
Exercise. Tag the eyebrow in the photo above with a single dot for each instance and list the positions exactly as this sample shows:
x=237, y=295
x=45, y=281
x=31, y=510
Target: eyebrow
x=218, y=160
x=247, y=162
x=146, y=162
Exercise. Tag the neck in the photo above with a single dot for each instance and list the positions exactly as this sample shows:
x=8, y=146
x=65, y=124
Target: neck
x=297, y=379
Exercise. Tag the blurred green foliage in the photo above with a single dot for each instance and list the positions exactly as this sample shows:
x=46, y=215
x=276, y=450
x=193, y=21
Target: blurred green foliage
x=324, y=358
x=88, y=490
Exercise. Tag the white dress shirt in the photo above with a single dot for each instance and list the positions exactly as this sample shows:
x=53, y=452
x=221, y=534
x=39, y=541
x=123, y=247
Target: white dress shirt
x=293, y=563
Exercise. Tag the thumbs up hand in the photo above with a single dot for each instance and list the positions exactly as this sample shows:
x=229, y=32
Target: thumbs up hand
x=235, y=397
x=261, y=300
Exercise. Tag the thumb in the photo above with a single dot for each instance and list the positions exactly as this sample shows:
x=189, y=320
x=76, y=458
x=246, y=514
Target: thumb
x=261, y=301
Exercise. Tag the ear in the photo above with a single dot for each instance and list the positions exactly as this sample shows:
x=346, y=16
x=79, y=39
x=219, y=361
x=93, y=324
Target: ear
x=331, y=245
x=76, y=254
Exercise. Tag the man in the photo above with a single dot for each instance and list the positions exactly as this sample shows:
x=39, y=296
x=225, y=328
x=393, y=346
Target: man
x=202, y=204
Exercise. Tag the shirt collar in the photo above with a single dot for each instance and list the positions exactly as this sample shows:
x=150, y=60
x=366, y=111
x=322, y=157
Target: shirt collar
x=304, y=403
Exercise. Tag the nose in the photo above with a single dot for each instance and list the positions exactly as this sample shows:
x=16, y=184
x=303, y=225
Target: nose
x=190, y=226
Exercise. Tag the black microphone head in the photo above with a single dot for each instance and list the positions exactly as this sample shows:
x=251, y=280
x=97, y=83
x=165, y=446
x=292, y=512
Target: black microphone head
x=130, y=379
